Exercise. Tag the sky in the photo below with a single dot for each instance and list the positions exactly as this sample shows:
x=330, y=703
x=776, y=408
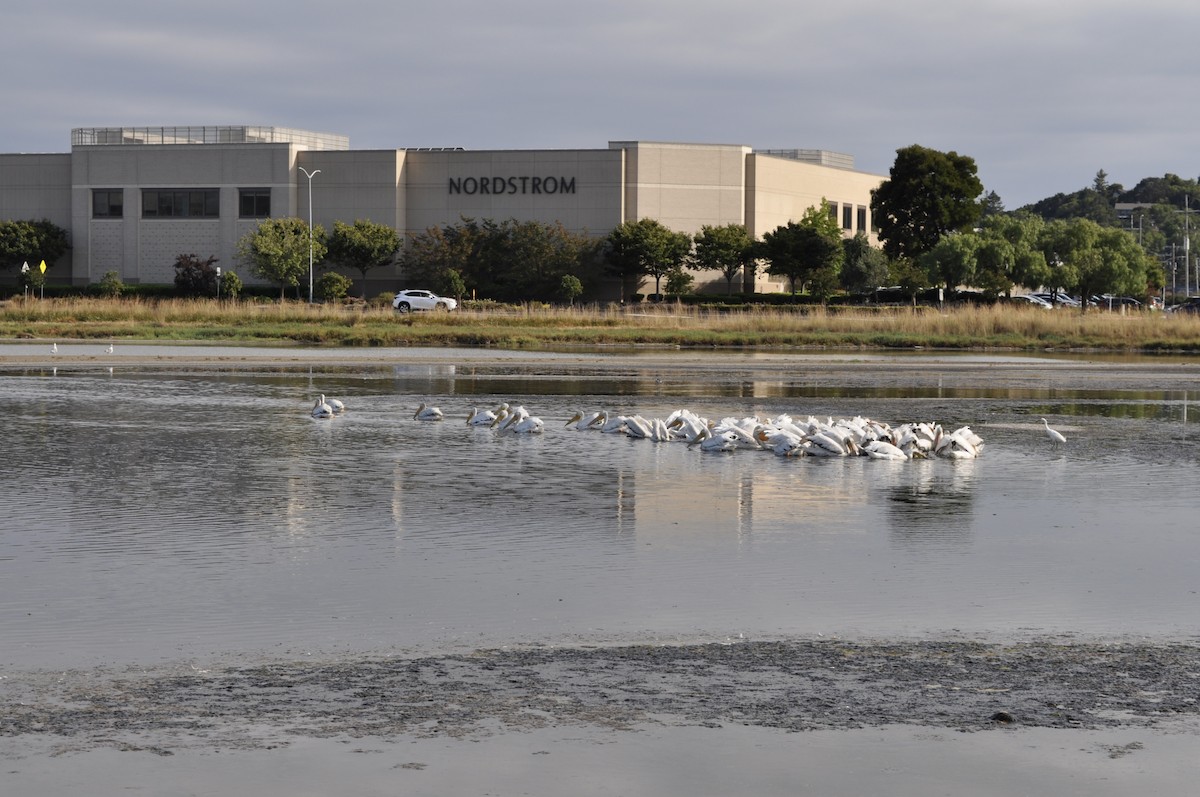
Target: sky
x=1042, y=95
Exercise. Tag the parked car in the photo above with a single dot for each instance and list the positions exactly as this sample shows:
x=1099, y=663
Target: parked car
x=1036, y=301
x=406, y=301
x=1110, y=302
x=1189, y=305
x=1058, y=298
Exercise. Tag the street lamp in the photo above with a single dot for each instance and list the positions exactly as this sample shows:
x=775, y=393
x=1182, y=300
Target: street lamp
x=314, y=173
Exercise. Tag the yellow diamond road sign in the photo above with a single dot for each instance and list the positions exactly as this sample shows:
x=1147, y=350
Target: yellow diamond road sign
x=43, y=266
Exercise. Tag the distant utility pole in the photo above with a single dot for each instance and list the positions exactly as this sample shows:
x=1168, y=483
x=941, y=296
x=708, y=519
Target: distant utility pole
x=1187, y=247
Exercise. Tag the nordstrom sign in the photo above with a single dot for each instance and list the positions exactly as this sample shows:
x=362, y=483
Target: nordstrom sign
x=512, y=185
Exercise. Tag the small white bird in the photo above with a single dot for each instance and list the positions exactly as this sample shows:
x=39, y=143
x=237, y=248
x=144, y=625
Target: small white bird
x=109, y=350
x=427, y=413
x=1055, y=437
x=54, y=348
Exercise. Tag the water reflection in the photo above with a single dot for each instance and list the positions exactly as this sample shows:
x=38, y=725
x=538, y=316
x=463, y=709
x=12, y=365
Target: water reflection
x=933, y=502
x=160, y=511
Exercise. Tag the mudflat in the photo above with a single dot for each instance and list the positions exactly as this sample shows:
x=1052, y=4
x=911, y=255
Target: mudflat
x=758, y=716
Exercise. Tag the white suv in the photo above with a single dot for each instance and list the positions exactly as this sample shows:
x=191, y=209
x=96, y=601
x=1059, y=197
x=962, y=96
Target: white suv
x=406, y=301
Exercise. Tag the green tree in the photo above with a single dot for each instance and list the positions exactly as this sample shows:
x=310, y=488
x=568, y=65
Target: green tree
x=1008, y=254
x=332, y=287
x=279, y=250
x=909, y=276
x=1088, y=259
x=636, y=249
x=451, y=283
x=362, y=246
x=727, y=249
x=31, y=242
x=927, y=194
x=507, y=261
x=864, y=267
x=809, y=251
x=679, y=281
x=571, y=288
x=952, y=260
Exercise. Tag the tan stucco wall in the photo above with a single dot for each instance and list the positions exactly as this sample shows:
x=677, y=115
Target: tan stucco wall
x=144, y=250
x=593, y=207
x=685, y=186
x=782, y=190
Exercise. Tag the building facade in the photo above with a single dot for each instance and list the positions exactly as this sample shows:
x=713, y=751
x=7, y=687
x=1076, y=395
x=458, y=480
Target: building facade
x=133, y=199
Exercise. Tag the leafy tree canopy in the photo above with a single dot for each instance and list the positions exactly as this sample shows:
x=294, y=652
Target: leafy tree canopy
x=810, y=250
x=727, y=249
x=31, y=242
x=635, y=249
x=927, y=195
x=279, y=250
x=362, y=246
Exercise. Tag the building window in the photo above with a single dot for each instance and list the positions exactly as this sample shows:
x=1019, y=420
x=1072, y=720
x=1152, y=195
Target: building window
x=862, y=219
x=197, y=203
x=108, y=203
x=833, y=211
x=254, y=203
x=847, y=216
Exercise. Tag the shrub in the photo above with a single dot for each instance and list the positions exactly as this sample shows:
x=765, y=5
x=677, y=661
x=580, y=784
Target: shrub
x=332, y=287
x=195, y=277
x=231, y=285
x=111, y=285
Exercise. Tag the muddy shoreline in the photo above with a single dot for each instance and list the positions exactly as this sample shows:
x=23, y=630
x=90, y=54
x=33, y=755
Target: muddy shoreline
x=800, y=685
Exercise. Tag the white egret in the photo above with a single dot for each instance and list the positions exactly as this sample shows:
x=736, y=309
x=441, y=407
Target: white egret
x=427, y=413
x=1055, y=437
x=109, y=350
x=54, y=348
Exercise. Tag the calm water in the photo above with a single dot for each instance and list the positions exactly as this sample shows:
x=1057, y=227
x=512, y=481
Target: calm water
x=177, y=512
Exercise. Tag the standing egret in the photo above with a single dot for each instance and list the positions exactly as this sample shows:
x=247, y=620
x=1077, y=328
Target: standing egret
x=1055, y=437
x=54, y=348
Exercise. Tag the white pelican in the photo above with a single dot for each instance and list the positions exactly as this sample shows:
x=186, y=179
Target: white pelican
x=520, y=421
x=477, y=418
x=321, y=409
x=1055, y=437
x=336, y=405
x=881, y=449
x=593, y=420
x=710, y=440
x=427, y=413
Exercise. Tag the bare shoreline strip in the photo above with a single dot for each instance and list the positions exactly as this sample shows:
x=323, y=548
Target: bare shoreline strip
x=795, y=685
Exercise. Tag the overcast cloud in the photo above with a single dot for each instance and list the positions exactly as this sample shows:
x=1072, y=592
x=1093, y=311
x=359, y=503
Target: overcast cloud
x=1042, y=95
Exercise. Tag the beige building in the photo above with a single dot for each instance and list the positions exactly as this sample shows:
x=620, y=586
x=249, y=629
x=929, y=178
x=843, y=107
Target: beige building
x=133, y=199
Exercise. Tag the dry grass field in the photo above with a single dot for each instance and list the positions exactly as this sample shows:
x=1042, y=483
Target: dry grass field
x=999, y=327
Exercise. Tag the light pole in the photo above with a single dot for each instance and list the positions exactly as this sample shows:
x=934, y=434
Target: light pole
x=314, y=173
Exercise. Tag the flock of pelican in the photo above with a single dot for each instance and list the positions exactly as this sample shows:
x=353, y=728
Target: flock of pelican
x=792, y=437
x=784, y=435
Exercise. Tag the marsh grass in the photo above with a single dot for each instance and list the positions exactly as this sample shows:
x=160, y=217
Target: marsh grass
x=532, y=326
